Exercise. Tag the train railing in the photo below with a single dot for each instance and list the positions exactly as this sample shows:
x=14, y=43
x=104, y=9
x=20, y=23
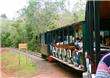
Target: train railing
x=68, y=55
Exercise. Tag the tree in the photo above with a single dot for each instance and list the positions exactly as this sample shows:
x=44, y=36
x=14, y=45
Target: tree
x=38, y=17
x=3, y=16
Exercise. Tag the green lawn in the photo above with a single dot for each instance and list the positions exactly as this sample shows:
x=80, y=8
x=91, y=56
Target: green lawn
x=17, y=64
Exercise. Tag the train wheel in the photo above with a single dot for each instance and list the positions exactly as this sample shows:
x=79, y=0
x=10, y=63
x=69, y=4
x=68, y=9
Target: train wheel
x=43, y=56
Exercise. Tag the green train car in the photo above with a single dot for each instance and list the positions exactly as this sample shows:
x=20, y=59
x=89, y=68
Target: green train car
x=70, y=43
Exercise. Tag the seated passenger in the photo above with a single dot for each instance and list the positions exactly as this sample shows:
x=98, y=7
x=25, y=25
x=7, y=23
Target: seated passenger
x=103, y=70
x=78, y=43
x=107, y=40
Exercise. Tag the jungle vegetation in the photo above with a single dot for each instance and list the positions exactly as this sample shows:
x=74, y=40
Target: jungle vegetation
x=36, y=17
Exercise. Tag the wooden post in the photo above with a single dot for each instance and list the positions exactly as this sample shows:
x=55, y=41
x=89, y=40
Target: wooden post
x=26, y=56
x=19, y=58
x=23, y=46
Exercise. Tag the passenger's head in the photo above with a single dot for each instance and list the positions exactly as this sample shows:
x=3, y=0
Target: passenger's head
x=77, y=39
x=107, y=40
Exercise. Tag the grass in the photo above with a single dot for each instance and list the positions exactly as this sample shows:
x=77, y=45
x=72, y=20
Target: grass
x=17, y=64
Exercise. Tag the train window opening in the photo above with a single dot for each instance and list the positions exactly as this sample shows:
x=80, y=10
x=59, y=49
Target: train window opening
x=104, y=15
x=42, y=39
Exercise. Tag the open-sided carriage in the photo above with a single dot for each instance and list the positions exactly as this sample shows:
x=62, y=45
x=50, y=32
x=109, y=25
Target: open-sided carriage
x=60, y=44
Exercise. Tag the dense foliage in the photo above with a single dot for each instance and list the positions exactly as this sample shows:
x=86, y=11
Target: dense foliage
x=37, y=17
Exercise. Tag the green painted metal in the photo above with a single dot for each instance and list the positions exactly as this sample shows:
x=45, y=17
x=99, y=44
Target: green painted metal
x=89, y=29
x=84, y=42
x=68, y=35
x=63, y=34
x=97, y=30
x=48, y=36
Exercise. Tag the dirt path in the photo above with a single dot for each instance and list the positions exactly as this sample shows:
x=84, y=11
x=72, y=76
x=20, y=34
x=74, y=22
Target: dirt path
x=2, y=74
x=47, y=69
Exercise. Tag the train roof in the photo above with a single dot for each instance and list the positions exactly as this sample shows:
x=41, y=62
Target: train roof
x=66, y=26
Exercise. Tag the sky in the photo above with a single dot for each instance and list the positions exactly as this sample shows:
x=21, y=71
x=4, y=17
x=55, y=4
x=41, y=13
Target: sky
x=10, y=7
